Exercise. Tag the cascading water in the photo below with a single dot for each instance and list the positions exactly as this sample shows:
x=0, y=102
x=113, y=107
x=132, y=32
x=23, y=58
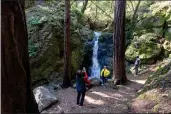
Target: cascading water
x=95, y=69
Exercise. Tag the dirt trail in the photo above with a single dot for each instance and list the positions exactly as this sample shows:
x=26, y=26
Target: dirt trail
x=100, y=99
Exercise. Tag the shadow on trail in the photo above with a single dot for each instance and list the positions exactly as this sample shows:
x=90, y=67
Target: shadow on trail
x=98, y=99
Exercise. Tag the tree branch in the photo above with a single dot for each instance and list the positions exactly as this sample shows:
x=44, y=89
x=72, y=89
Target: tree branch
x=102, y=10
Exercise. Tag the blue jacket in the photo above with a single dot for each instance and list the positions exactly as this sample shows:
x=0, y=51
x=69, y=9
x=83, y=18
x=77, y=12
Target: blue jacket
x=80, y=84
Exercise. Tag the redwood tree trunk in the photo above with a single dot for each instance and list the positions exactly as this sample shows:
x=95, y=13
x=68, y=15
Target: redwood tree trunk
x=67, y=55
x=17, y=95
x=119, y=42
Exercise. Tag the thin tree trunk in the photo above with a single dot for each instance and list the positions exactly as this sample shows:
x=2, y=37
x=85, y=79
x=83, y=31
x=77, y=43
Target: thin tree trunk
x=134, y=19
x=129, y=7
x=165, y=26
x=102, y=10
x=132, y=6
x=76, y=3
x=96, y=14
x=119, y=43
x=84, y=6
x=67, y=55
x=17, y=95
x=135, y=12
x=111, y=7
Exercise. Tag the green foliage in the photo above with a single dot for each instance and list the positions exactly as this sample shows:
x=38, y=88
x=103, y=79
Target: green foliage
x=162, y=8
x=96, y=14
x=79, y=14
x=145, y=47
x=33, y=47
x=167, y=45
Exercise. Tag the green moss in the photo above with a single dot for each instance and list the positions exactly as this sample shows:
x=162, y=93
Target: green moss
x=46, y=39
x=149, y=96
x=146, y=51
x=155, y=80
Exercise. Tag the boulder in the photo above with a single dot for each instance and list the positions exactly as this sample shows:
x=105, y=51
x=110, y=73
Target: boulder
x=44, y=98
x=146, y=47
x=53, y=87
x=74, y=85
x=95, y=81
x=147, y=51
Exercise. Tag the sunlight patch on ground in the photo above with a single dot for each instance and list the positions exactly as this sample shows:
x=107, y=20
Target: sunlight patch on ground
x=117, y=97
x=139, y=81
x=93, y=101
x=124, y=93
x=101, y=94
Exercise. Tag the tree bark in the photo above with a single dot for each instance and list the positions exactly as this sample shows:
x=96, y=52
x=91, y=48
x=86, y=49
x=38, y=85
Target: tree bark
x=67, y=55
x=17, y=94
x=119, y=43
x=165, y=27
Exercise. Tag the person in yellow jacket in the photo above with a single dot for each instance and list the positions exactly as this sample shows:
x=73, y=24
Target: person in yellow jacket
x=104, y=74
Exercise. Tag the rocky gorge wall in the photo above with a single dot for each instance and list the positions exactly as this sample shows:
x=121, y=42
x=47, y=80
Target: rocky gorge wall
x=45, y=25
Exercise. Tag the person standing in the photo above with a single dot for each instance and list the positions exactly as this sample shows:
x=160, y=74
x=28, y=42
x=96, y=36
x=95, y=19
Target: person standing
x=85, y=76
x=104, y=74
x=81, y=87
x=136, y=65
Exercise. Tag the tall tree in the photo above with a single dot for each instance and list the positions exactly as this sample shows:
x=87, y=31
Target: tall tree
x=67, y=55
x=119, y=43
x=17, y=95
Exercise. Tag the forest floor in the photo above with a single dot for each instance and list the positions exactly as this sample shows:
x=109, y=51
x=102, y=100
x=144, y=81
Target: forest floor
x=101, y=99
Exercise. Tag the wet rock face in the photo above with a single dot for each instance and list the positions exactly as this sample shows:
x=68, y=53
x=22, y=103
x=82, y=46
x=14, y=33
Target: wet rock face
x=44, y=98
x=105, y=52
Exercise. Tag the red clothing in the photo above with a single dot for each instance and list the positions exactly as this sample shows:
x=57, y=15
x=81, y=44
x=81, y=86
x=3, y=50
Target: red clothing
x=87, y=81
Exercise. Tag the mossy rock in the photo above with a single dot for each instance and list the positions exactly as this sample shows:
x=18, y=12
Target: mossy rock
x=46, y=40
x=147, y=37
x=147, y=51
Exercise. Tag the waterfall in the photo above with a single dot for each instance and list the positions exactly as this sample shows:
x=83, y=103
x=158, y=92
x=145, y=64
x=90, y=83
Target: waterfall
x=95, y=69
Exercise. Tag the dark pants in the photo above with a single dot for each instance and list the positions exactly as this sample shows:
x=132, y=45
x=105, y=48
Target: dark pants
x=136, y=70
x=104, y=79
x=80, y=98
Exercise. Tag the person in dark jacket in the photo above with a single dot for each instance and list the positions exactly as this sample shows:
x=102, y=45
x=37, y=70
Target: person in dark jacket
x=136, y=65
x=81, y=87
